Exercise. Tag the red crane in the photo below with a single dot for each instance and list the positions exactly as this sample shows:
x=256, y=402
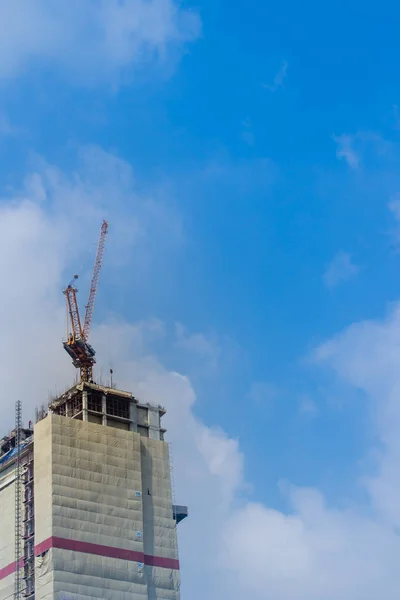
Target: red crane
x=77, y=344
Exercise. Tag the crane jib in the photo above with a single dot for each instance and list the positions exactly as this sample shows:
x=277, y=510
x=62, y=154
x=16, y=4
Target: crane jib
x=95, y=280
x=77, y=345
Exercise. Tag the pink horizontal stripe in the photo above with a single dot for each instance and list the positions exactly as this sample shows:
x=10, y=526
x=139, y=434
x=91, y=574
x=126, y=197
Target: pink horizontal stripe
x=159, y=561
x=10, y=569
x=6, y=571
x=108, y=551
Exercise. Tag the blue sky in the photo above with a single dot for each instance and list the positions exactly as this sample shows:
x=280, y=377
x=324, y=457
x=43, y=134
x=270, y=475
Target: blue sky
x=247, y=158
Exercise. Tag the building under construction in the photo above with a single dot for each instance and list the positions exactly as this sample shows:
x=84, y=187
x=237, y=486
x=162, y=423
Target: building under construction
x=86, y=501
x=95, y=517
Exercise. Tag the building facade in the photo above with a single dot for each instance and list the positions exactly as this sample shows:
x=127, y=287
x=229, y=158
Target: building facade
x=97, y=514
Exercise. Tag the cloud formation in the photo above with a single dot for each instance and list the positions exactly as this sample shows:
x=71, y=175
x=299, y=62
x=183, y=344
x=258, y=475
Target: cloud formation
x=279, y=78
x=345, y=150
x=366, y=356
x=91, y=40
x=205, y=348
x=230, y=546
x=319, y=551
x=341, y=269
x=41, y=226
x=364, y=148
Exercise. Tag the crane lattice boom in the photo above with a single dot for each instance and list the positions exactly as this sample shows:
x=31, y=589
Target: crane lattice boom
x=95, y=280
x=77, y=344
x=73, y=310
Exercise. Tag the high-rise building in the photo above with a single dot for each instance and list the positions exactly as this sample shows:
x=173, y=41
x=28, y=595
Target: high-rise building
x=96, y=516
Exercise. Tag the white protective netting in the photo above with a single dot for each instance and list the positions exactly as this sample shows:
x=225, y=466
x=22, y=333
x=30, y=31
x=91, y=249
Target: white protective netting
x=160, y=538
x=90, y=485
x=7, y=532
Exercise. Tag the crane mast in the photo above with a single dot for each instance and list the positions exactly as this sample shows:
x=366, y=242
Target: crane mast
x=77, y=344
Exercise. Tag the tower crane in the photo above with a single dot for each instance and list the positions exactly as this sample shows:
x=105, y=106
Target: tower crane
x=77, y=344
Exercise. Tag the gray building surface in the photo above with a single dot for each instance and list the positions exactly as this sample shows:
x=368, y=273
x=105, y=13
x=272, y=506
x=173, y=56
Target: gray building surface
x=96, y=517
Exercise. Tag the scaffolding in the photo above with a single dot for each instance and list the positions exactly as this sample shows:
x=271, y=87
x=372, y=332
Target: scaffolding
x=18, y=427
x=29, y=528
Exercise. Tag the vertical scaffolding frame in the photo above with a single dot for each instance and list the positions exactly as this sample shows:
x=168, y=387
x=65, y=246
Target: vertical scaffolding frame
x=173, y=498
x=29, y=528
x=18, y=427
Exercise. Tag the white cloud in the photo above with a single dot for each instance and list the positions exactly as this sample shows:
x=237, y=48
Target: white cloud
x=341, y=269
x=363, y=148
x=40, y=227
x=345, y=150
x=205, y=347
x=367, y=356
x=279, y=78
x=394, y=207
x=46, y=226
x=92, y=40
x=319, y=551
x=230, y=546
x=316, y=552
